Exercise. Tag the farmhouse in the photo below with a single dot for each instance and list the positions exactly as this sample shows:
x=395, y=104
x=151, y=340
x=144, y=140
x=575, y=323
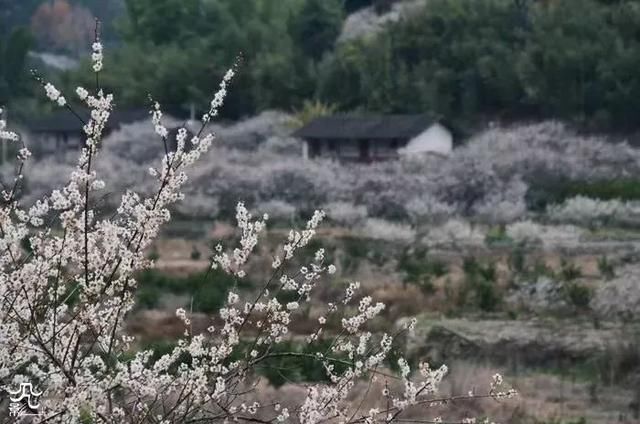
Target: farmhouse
x=353, y=138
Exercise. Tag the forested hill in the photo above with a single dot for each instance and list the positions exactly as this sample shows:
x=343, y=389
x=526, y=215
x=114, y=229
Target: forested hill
x=464, y=60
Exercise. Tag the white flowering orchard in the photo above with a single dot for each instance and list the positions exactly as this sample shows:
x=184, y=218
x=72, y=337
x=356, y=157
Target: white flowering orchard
x=63, y=304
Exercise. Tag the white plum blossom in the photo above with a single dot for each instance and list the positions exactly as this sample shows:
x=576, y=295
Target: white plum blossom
x=97, y=56
x=278, y=209
x=82, y=93
x=585, y=211
x=346, y=213
x=386, y=230
x=54, y=94
x=4, y=134
x=429, y=209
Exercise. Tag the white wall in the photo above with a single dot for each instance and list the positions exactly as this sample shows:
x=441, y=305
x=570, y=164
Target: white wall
x=437, y=139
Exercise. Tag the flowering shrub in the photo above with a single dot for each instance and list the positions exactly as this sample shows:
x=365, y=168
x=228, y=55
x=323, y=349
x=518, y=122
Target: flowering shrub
x=455, y=233
x=428, y=209
x=278, y=209
x=505, y=206
x=524, y=231
x=585, y=211
x=346, y=213
x=549, y=235
x=386, y=230
x=487, y=180
x=65, y=301
x=620, y=297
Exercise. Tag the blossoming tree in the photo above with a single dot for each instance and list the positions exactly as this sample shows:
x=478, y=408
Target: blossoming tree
x=64, y=301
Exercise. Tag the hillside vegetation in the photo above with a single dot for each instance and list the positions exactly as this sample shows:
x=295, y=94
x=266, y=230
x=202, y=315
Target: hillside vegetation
x=462, y=60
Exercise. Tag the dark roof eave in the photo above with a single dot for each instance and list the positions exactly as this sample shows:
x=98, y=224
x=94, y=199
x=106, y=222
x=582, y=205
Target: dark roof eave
x=342, y=138
x=353, y=127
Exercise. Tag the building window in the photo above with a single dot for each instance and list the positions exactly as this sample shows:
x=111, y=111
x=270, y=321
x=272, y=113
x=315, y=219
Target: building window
x=365, y=150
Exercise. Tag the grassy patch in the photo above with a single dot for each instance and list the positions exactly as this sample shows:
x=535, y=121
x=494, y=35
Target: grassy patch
x=497, y=236
x=569, y=271
x=280, y=370
x=208, y=290
x=419, y=269
x=358, y=249
x=606, y=268
x=190, y=229
x=480, y=286
x=613, y=234
x=546, y=191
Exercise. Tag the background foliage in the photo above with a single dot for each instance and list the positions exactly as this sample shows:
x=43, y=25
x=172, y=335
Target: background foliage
x=462, y=60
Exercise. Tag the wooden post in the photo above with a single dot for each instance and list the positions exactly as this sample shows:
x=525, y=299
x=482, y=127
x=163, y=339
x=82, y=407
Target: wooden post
x=4, y=145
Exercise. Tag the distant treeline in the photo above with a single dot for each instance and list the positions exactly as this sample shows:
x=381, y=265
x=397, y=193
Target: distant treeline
x=467, y=60
x=463, y=60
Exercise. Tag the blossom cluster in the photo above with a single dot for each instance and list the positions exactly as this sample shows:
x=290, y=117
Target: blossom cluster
x=54, y=94
x=4, y=134
x=97, y=56
x=586, y=211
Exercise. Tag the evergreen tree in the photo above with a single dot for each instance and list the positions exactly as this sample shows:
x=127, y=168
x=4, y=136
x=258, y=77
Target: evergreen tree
x=13, y=55
x=317, y=26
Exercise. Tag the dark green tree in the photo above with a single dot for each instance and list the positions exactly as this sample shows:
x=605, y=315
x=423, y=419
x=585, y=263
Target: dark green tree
x=15, y=14
x=317, y=26
x=581, y=66
x=455, y=59
x=353, y=5
x=464, y=60
x=559, y=67
x=13, y=56
x=162, y=21
x=178, y=50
